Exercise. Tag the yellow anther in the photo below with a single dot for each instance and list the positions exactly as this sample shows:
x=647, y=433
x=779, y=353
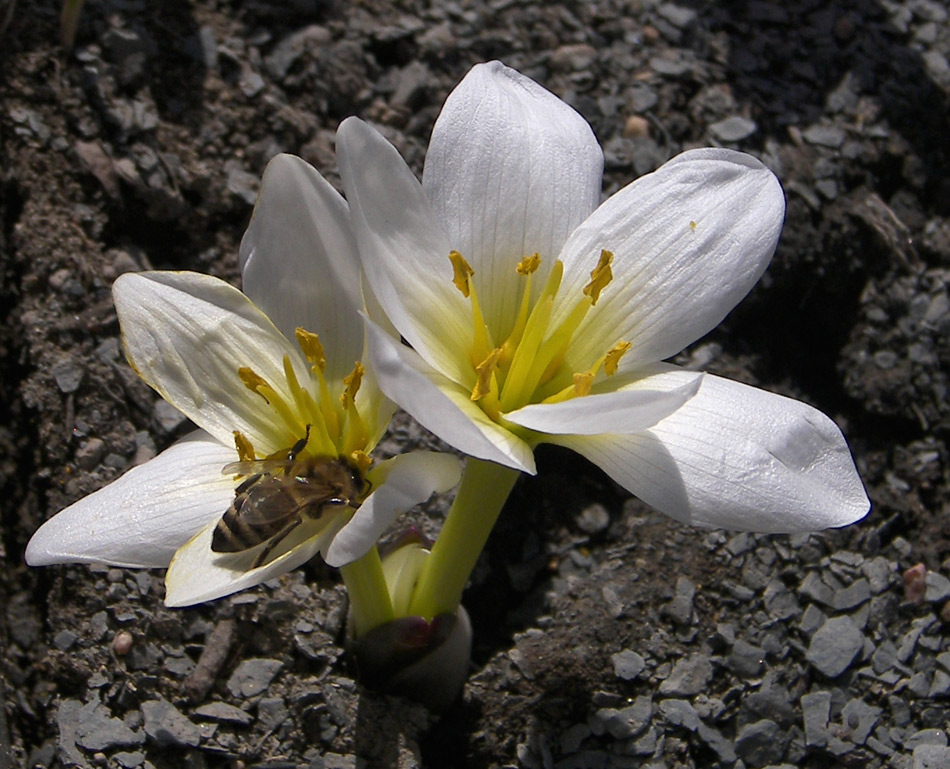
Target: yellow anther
x=244, y=448
x=485, y=371
x=352, y=383
x=462, y=272
x=600, y=276
x=312, y=348
x=582, y=383
x=614, y=354
x=253, y=382
x=529, y=264
x=692, y=225
x=362, y=460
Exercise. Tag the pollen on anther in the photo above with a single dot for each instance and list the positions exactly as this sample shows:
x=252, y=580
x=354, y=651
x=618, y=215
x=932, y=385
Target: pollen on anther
x=253, y=381
x=529, y=264
x=613, y=356
x=244, y=448
x=352, y=382
x=582, y=383
x=312, y=348
x=600, y=276
x=462, y=271
x=485, y=371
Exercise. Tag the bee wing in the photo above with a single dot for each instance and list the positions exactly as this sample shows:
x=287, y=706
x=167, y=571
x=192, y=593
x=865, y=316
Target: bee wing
x=276, y=498
x=254, y=466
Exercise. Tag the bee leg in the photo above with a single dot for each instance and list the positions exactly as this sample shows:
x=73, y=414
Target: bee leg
x=274, y=541
x=299, y=446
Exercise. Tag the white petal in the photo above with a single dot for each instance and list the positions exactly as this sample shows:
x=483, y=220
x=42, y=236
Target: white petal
x=737, y=457
x=198, y=574
x=142, y=518
x=441, y=406
x=511, y=170
x=188, y=334
x=299, y=260
x=689, y=241
x=404, y=251
x=400, y=484
x=628, y=410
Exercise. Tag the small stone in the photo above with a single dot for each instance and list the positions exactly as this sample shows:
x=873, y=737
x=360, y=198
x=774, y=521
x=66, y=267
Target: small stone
x=931, y=757
x=816, y=709
x=272, y=712
x=733, y=129
x=722, y=747
x=812, y=619
x=243, y=185
x=122, y=643
x=594, y=519
x=938, y=587
x=926, y=737
x=622, y=723
x=834, y=646
x=857, y=593
x=64, y=639
x=824, y=135
x=573, y=737
x=223, y=713
x=167, y=416
x=90, y=452
x=68, y=374
x=860, y=718
x=628, y=664
x=940, y=685
x=167, y=726
x=813, y=587
x=680, y=713
x=879, y=572
x=761, y=743
x=746, y=660
x=97, y=730
x=129, y=759
x=688, y=677
x=253, y=676
x=680, y=609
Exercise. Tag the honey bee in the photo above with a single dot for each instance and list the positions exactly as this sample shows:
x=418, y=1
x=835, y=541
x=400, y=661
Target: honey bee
x=279, y=494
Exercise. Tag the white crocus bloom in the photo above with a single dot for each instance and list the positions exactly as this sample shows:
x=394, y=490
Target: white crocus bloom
x=226, y=359
x=535, y=313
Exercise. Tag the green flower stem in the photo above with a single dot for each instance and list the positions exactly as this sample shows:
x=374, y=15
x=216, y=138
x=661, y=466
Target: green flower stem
x=370, y=604
x=485, y=487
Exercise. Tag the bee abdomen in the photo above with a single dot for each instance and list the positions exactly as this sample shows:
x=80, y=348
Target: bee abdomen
x=233, y=535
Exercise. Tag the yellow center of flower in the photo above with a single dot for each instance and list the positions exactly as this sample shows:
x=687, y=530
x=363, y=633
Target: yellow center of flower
x=529, y=365
x=328, y=416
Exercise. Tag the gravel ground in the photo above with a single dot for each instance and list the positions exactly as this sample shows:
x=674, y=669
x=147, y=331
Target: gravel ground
x=605, y=635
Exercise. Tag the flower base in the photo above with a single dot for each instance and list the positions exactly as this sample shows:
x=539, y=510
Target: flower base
x=410, y=657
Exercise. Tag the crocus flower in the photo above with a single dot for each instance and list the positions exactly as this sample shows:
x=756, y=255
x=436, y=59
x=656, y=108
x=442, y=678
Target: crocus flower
x=535, y=313
x=273, y=369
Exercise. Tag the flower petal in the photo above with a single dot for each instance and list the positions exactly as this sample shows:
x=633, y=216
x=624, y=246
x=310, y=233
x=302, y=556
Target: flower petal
x=142, y=518
x=197, y=573
x=187, y=335
x=736, y=457
x=511, y=170
x=689, y=241
x=403, y=249
x=299, y=260
x=400, y=484
x=440, y=405
x=629, y=410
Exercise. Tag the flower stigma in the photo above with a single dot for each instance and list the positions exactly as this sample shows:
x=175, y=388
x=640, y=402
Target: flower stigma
x=528, y=366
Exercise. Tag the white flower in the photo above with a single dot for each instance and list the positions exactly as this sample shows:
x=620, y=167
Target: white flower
x=535, y=314
x=228, y=363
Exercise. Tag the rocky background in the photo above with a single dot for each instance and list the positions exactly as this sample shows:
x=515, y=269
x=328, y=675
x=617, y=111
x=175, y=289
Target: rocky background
x=606, y=636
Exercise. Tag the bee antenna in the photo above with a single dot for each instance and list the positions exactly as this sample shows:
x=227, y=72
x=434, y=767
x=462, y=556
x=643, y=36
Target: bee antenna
x=299, y=445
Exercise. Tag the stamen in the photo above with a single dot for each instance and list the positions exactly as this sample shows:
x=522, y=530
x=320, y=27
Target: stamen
x=481, y=340
x=297, y=391
x=613, y=356
x=462, y=272
x=486, y=373
x=582, y=383
x=352, y=383
x=244, y=448
x=529, y=264
x=312, y=348
x=259, y=385
x=600, y=276
x=362, y=460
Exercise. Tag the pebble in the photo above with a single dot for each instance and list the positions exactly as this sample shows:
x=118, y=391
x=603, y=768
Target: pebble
x=680, y=713
x=931, y=757
x=593, y=519
x=816, y=710
x=222, y=712
x=938, y=587
x=746, y=660
x=834, y=646
x=627, y=664
x=622, y=723
x=860, y=718
x=688, y=677
x=761, y=743
x=167, y=726
x=253, y=676
x=733, y=129
x=68, y=374
x=824, y=135
x=680, y=609
x=96, y=729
